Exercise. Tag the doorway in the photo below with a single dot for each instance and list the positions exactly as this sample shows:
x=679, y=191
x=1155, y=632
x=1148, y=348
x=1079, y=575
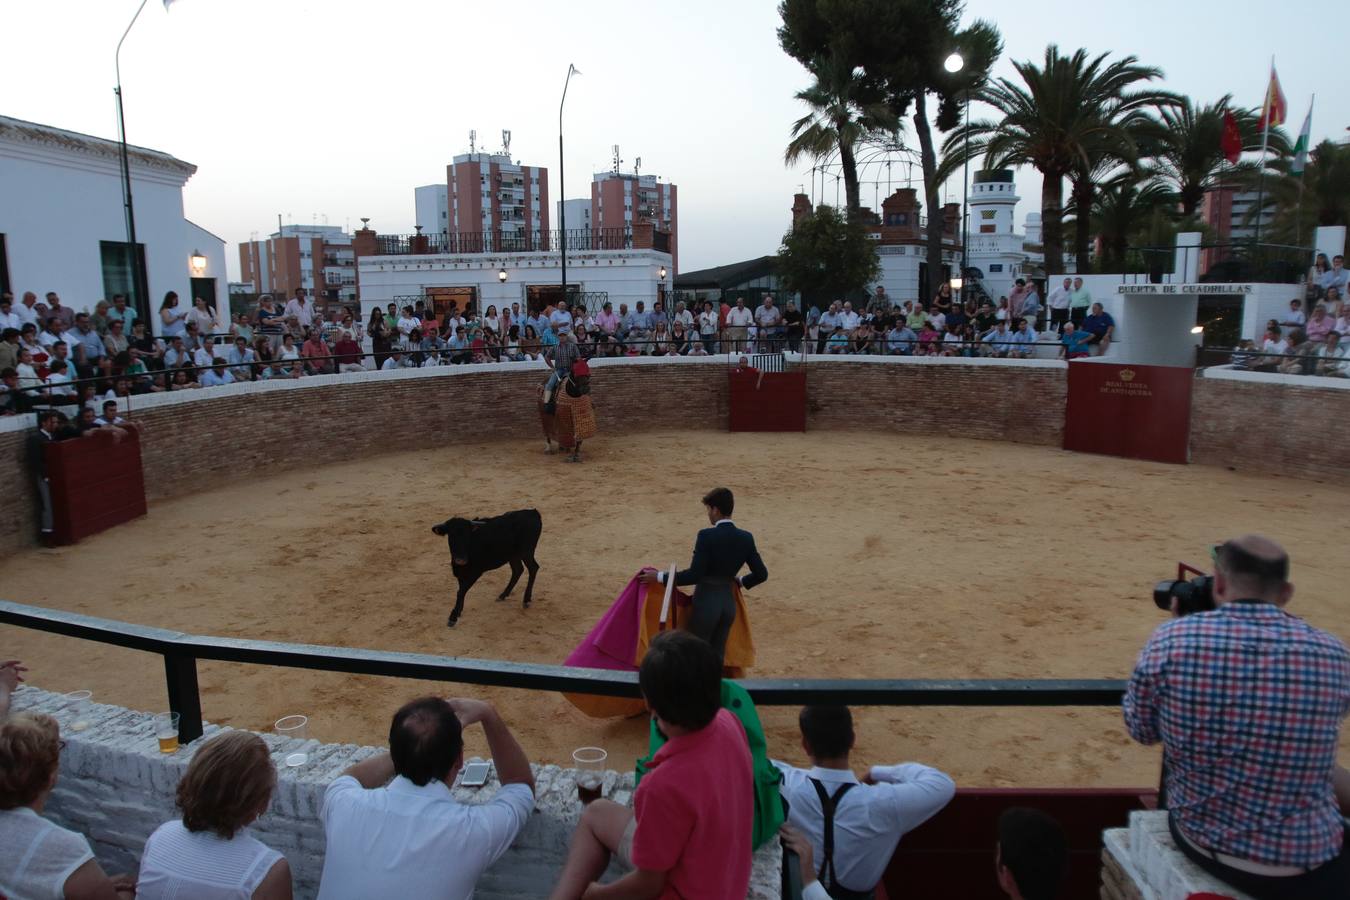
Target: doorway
x=464, y=299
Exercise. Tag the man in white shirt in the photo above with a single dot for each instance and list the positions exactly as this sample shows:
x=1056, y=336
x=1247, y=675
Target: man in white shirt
x=110, y=416
x=560, y=316
x=26, y=310
x=8, y=317
x=300, y=308
x=739, y=320
x=769, y=320
x=829, y=321
x=407, y=322
x=1058, y=301
x=848, y=319
x=1331, y=357
x=1336, y=277
x=409, y=836
x=854, y=826
x=177, y=354
x=203, y=357
x=1295, y=317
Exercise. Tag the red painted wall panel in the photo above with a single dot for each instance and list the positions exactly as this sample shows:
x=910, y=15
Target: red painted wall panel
x=96, y=483
x=1140, y=412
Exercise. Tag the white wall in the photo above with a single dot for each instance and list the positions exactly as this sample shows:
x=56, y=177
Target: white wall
x=58, y=204
x=431, y=204
x=115, y=787
x=1154, y=329
x=627, y=275
x=197, y=238
x=1265, y=302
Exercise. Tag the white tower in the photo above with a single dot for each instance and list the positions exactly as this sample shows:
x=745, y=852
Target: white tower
x=995, y=247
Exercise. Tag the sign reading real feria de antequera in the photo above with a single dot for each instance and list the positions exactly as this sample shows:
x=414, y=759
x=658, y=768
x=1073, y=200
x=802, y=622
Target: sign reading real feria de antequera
x=1184, y=289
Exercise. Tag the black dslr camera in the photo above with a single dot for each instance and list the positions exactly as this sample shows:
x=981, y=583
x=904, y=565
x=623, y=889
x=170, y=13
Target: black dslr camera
x=1193, y=596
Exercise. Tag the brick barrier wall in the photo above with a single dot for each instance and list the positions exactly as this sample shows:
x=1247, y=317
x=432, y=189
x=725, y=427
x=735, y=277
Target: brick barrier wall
x=210, y=436
x=1288, y=427
x=115, y=787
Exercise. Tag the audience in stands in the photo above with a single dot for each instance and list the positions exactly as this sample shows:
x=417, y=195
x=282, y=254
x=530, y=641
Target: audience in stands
x=853, y=826
x=688, y=833
x=208, y=854
x=1248, y=701
x=39, y=859
x=1032, y=854
x=393, y=827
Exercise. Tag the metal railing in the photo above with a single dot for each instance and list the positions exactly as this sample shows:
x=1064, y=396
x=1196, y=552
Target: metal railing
x=505, y=240
x=1231, y=261
x=182, y=651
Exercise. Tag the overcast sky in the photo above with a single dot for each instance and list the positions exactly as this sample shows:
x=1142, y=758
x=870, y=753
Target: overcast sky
x=329, y=110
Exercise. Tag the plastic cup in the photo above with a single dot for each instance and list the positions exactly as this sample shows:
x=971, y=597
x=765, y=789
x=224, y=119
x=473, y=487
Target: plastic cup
x=166, y=731
x=77, y=702
x=590, y=766
x=294, y=727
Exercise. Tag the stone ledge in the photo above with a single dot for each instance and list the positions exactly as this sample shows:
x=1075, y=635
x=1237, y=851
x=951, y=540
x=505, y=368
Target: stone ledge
x=1148, y=864
x=116, y=788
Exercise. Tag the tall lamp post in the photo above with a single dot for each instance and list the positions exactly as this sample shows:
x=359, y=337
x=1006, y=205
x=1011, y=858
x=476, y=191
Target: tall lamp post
x=140, y=301
x=562, y=181
x=953, y=64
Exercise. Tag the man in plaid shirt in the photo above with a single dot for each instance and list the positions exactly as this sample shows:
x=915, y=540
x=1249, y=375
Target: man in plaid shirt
x=1248, y=701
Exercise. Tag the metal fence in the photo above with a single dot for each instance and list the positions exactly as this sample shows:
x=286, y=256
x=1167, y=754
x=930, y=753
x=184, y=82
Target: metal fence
x=181, y=652
x=1224, y=262
x=579, y=240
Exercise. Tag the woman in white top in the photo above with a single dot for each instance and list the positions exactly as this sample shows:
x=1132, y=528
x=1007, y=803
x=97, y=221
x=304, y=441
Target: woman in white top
x=492, y=322
x=208, y=854
x=288, y=350
x=202, y=316
x=172, y=319
x=39, y=860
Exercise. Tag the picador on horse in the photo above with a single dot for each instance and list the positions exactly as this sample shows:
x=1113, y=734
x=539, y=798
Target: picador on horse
x=564, y=403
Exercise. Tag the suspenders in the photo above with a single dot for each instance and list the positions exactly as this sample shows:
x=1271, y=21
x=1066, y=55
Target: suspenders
x=828, y=805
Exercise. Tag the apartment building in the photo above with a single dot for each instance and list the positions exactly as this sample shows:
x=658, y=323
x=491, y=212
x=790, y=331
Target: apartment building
x=431, y=208
x=318, y=258
x=578, y=214
x=620, y=199
x=488, y=192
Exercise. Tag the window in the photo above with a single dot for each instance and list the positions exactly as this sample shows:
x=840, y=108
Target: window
x=116, y=265
x=987, y=213
x=995, y=267
x=4, y=267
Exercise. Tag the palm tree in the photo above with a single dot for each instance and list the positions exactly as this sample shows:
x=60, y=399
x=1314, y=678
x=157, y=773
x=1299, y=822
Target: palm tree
x=1320, y=197
x=1184, y=148
x=1061, y=118
x=1130, y=210
x=845, y=112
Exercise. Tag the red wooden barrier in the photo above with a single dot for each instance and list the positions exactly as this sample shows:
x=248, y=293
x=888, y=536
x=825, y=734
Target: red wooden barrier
x=775, y=403
x=951, y=856
x=96, y=483
x=1141, y=412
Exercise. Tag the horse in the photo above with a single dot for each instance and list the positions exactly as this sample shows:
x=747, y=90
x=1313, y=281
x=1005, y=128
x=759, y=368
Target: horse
x=569, y=417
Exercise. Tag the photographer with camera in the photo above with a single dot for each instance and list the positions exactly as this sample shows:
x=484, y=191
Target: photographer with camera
x=1247, y=701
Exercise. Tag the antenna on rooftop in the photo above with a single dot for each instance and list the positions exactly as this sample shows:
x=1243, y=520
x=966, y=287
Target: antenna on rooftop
x=617, y=161
x=506, y=142
x=637, y=166
x=473, y=139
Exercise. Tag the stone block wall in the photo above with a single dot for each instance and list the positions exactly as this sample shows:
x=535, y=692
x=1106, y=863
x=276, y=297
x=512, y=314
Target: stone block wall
x=115, y=787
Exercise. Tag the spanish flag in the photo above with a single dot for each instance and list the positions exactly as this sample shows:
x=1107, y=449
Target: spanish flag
x=1275, y=110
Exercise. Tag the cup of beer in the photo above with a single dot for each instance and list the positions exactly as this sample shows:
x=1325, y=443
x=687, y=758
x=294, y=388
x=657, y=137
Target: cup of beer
x=590, y=766
x=296, y=727
x=166, y=730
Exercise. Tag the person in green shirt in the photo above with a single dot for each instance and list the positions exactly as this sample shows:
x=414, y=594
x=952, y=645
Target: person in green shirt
x=1080, y=300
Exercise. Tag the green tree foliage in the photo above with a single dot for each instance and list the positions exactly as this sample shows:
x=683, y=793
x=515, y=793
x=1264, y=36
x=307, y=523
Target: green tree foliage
x=899, y=47
x=845, y=113
x=1063, y=118
x=1320, y=197
x=827, y=256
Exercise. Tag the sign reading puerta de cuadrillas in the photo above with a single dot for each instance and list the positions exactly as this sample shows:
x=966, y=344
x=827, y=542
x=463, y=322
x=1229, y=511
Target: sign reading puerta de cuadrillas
x=1140, y=412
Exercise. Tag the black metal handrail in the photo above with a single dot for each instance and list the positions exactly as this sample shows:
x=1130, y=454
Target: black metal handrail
x=181, y=652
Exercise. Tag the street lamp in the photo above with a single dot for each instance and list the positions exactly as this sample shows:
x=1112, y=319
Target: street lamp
x=663, y=273
x=198, y=262
x=501, y=274
x=562, y=181
x=953, y=64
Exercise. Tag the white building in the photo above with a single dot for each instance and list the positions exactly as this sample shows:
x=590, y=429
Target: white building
x=578, y=214
x=62, y=226
x=432, y=208
x=531, y=279
x=995, y=247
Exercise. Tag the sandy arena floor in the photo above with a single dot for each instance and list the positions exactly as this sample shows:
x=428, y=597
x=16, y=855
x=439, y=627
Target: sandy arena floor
x=889, y=556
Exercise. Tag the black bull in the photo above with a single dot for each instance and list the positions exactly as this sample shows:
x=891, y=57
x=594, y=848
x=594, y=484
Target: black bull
x=480, y=545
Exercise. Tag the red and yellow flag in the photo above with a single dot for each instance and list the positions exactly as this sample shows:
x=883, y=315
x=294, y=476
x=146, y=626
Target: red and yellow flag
x=1275, y=110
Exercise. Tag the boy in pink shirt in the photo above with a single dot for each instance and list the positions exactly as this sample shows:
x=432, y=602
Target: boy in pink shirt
x=688, y=834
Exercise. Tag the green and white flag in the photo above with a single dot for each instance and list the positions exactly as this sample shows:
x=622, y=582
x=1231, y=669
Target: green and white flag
x=1301, y=146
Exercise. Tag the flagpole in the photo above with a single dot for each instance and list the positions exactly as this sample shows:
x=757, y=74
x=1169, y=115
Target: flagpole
x=1303, y=167
x=1266, y=113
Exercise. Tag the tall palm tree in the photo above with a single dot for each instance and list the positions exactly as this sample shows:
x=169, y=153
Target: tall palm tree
x=845, y=113
x=1059, y=119
x=1320, y=197
x=1129, y=210
x=1184, y=146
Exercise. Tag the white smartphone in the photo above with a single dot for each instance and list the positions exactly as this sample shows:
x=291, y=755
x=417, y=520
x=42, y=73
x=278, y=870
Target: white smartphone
x=475, y=774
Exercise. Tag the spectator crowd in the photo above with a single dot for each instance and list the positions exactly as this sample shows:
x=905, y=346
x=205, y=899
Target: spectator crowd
x=1301, y=342
x=51, y=354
